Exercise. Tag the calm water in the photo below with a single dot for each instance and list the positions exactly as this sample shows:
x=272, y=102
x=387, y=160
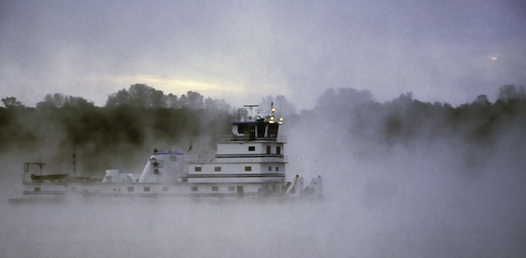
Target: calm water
x=397, y=212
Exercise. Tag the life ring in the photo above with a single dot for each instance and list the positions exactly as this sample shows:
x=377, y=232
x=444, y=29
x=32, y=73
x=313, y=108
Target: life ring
x=156, y=172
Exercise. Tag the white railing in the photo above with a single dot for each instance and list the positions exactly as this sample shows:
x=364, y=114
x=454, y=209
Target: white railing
x=235, y=138
x=238, y=158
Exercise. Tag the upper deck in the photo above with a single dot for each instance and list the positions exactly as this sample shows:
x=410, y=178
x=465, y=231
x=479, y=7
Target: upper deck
x=249, y=127
x=235, y=138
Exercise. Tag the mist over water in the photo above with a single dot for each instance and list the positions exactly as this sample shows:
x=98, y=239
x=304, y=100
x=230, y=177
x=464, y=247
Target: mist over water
x=159, y=228
x=432, y=197
x=387, y=209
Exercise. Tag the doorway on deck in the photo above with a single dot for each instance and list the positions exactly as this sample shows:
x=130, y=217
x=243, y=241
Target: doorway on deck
x=239, y=191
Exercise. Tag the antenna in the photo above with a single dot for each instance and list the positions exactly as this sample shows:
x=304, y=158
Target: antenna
x=249, y=107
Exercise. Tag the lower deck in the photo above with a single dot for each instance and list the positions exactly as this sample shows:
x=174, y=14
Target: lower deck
x=179, y=189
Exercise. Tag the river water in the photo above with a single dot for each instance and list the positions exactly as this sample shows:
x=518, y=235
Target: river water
x=386, y=210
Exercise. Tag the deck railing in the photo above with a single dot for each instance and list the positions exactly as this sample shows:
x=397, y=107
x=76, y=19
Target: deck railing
x=243, y=158
x=235, y=138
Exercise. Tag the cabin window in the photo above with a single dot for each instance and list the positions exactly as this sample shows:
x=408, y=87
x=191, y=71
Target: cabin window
x=272, y=131
x=217, y=169
x=215, y=188
x=252, y=132
x=194, y=188
x=37, y=189
x=261, y=130
x=146, y=188
x=197, y=169
x=251, y=148
x=277, y=168
x=241, y=129
x=278, y=150
x=248, y=168
x=231, y=188
x=269, y=168
x=268, y=149
x=165, y=188
x=130, y=189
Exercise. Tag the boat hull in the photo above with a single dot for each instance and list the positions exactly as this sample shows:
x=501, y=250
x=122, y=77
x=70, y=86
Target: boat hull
x=237, y=190
x=247, y=190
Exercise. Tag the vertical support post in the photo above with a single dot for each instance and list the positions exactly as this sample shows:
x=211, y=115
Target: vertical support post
x=74, y=160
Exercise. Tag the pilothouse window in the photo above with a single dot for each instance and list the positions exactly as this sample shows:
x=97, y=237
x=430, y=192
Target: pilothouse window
x=272, y=131
x=241, y=129
x=252, y=132
x=261, y=130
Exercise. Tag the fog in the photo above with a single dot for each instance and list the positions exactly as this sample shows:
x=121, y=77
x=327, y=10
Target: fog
x=429, y=197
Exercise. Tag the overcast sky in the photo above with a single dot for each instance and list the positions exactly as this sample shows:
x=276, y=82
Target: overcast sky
x=242, y=51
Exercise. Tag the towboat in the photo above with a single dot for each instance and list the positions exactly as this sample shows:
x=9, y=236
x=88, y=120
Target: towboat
x=249, y=164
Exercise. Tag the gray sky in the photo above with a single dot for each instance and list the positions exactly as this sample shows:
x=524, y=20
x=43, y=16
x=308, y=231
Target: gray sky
x=242, y=51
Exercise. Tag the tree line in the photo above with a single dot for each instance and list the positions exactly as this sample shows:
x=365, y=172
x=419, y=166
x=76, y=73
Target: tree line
x=406, y=120
x=133, y=122
x=136, y=120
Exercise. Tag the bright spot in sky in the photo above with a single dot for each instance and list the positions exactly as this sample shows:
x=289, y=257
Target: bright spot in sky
x=493, y=58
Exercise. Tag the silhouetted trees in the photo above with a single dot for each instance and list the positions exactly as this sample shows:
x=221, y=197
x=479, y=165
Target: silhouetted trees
x=11, y=102
x=136, y=120
x=510, y=91
x=141, y=95
x=59, y=100
x=405, y=119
